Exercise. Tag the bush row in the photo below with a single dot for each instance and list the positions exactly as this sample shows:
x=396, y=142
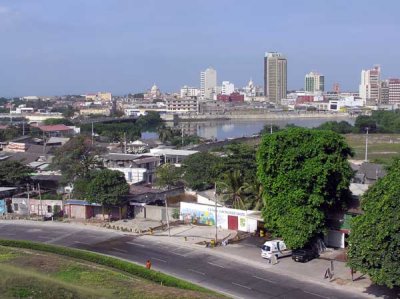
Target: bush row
x=108, y=261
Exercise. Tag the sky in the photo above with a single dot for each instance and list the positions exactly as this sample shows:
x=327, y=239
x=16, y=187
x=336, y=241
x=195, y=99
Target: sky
x=60, y=47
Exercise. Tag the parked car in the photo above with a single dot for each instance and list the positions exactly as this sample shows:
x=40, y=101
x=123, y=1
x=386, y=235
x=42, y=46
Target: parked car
x=275, y=248
x=304, y=255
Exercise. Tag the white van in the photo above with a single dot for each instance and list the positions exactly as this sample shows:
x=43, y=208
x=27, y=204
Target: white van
x=274, y=248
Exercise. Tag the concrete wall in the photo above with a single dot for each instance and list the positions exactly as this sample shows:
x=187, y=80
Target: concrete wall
x=76, y=211
x=157, y=213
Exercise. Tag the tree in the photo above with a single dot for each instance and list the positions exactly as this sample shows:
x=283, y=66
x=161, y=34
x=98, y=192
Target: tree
x=9, y=133
x=232, y=187
x=342, y=127
x=167, y=175
x=200, y=170
x=14, y=173
x=57, y=121
x=254, y=192
x=106, y=187
x=362, y=122
x=304, y=173
x=241, y=157
x=77, y=158
x=374, y=242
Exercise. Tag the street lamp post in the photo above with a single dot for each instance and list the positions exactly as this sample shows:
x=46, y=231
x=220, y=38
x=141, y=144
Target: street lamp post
x=216, y=217
x=366, y=145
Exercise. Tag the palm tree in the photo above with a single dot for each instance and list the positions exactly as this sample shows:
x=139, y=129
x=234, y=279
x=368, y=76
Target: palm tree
x=165, y=134
x=232, y=189
x=255, y=192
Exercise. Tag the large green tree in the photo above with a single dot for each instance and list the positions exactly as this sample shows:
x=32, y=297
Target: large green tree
x=167, y=176
x=106, y=187
x=374, y=242
x=305, y=173
x=200, y=170
x=77, y=158
x=14, y=173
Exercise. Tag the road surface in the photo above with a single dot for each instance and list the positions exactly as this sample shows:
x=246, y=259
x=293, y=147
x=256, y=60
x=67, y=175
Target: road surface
x=223, y=275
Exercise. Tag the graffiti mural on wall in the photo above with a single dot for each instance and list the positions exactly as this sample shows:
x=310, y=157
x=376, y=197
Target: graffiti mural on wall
x=2, y=206
x=196, y=216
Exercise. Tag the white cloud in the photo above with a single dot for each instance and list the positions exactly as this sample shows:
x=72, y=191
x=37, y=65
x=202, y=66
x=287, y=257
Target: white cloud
x=4, y=10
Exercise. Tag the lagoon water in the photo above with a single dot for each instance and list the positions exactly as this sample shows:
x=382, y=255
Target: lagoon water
x=223, y=129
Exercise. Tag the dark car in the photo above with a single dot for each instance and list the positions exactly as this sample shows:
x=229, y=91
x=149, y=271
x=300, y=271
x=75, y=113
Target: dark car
x=304, y=255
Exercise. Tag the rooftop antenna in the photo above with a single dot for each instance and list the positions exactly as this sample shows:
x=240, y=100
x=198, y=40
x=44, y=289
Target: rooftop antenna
x=366, y=145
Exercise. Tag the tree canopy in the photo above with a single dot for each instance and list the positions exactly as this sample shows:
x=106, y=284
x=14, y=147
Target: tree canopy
x=374, y=242
x=76, y=158
x=342, y=127
x=106, y=187
x=57, y=121
x=200, y=170
x=304, y=173
x=167, y=175
x=14, y=173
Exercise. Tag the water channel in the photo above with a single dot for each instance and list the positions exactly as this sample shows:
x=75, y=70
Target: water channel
x=223, y=129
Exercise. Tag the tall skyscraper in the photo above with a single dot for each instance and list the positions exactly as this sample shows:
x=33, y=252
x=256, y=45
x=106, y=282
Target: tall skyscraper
x=275, y=76
x=370, y=83
x=314, y=82
x=208, y=83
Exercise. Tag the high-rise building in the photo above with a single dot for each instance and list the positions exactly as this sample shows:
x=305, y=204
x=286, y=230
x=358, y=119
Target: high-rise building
x=370, y=83
x=394, y=91
x=227, y=88
x=314, y=82
x=208, y=83
x=275, y=77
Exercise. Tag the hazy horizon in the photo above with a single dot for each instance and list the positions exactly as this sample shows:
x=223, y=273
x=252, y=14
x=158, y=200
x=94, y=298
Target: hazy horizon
x=77, y=47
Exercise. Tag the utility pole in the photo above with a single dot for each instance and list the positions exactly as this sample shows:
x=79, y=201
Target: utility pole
x=29, y=201
x=166, y=213
x=23, y=128
x=216, y=211
x=182, y=133
x=125, y=142
x=40, y=198
x=92, y=133
x=366, y=146
x=271, y=129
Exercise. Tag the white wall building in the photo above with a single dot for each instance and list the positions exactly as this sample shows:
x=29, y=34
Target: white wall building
x=133, y=175
x=189, y=92
x=227, y=88
x=370, y=83
x=341, y=103
x=208, y=83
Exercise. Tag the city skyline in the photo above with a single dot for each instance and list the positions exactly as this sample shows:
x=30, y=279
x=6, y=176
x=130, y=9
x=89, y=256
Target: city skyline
x=62, y=48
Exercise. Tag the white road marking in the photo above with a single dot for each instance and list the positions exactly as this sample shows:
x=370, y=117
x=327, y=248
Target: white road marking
x=43, y=237
x=157, y=259
x=216, y=265
x=178, y=254
x=198, y=272
x=240, y=285
x=135, y=244
x=77, y=242
x=120, y=250
x=7, y=234
x=264, y=279
x=316, y=295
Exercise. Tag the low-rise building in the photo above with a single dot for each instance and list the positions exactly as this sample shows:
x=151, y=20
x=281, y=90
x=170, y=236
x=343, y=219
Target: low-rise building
x=182, y=105
x=136, y=168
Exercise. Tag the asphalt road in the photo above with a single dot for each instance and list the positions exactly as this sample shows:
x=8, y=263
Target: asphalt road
x=231, y=278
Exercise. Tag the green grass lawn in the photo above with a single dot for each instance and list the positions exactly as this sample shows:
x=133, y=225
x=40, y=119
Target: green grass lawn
x=381, y=147
x=34, y=274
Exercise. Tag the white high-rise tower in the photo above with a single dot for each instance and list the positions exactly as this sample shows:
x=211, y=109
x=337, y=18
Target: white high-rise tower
x=208, y=83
